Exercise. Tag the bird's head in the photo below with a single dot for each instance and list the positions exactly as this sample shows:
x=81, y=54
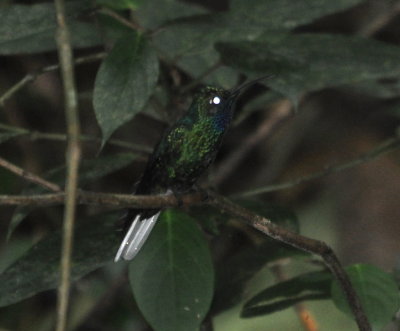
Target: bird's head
x=217, y=104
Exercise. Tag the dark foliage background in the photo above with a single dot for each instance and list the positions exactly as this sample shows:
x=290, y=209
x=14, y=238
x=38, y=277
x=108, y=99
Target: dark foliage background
x=334, y=96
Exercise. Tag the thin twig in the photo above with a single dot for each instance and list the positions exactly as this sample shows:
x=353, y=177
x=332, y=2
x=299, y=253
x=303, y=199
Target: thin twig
x=316, y=247
x=37, y=135
x=29, y=176
x=34, y=75
x=72, y=160
x=281, y=111
x=386, y=147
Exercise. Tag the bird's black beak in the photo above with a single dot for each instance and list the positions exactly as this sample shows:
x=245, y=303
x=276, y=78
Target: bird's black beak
x=236, y=91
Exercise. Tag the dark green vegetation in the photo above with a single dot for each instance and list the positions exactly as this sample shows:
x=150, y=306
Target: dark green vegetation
x=137, y=70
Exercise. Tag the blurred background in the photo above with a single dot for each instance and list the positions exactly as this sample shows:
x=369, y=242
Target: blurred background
x=356, y=211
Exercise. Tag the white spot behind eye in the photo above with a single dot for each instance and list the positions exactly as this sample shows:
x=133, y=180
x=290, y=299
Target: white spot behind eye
x=216, y=100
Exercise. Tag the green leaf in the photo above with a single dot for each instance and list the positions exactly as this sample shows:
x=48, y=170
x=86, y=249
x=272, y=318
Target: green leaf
x=31, y=29
x=190, y=42
x=283, y=14
x=38, y=270
x=125, y=81
x=308, y=62
x=377, y=291
x=172, y=276
x=89, y=170
x=310, y=286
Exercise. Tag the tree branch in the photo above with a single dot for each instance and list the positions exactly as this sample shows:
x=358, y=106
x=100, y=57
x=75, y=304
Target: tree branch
x=386, y=147
x=29, y=176
x=72, y=159
x=103, y=199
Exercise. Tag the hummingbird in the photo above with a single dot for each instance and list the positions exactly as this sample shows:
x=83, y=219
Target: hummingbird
x=182, y=155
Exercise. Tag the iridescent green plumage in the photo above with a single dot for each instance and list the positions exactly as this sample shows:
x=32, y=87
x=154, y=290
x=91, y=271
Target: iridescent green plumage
x=184, y=152
x=190, y=145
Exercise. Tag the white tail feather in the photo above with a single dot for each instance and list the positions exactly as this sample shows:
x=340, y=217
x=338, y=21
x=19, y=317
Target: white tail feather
x=136, y=237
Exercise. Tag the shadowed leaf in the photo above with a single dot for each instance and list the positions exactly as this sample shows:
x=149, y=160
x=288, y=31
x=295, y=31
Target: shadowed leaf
x=125, y=81
x=309, y=62
x=283, y=14
x=309, y=286
x=172, y=276
x=38, y=270
x=31, y=29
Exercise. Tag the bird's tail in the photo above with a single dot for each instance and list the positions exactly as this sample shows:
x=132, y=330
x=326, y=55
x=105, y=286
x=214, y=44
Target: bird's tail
x=136, y=237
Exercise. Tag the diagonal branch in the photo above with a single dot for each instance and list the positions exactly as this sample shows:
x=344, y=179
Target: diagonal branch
x=29, y=176
x=34, y=75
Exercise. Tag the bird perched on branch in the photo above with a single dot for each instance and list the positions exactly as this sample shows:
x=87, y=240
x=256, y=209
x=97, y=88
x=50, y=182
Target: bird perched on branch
x=184, y=152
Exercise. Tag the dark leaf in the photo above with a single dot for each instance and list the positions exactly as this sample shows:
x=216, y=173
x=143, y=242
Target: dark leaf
x=189, y=40
x=283, y=14
x=172, y=277
x=307, y=62
x=38, y=270
x=125, y=81
x=31, y=29
x=310, y=286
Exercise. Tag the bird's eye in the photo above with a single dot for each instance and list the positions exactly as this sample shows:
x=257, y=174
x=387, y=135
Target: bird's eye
x=215, y=100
